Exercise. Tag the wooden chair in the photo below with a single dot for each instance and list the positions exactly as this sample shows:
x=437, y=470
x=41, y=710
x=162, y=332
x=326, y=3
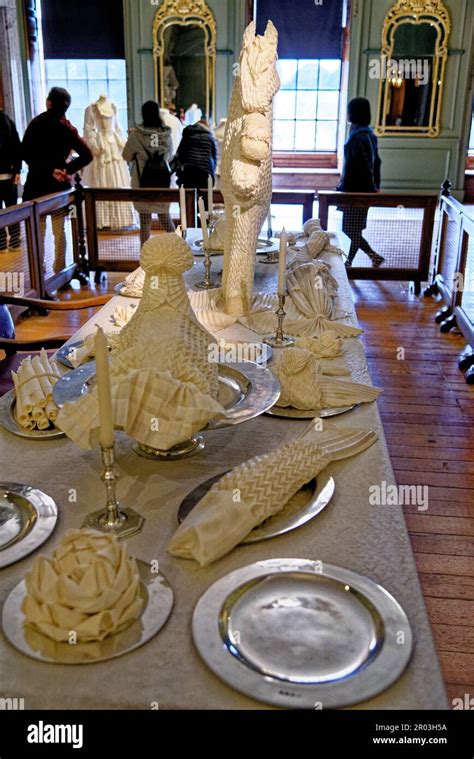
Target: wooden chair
x=14, y=347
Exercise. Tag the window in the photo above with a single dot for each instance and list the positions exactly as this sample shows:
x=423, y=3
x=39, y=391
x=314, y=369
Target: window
x=306, y=108
x=85, y=80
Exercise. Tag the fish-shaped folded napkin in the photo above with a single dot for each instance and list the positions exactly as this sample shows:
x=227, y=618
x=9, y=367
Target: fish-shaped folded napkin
x=259, y=488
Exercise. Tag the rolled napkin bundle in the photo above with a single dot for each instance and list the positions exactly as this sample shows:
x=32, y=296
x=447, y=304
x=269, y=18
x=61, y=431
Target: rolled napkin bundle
x=33, y=383
x=304, y=387
x=264, y=484
x=89, y=587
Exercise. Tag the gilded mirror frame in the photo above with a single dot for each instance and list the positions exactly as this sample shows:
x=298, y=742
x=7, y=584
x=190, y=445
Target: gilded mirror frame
x=186, y=13
x=414, y=12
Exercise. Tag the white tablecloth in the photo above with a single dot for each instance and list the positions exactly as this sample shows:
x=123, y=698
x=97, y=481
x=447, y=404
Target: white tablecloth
x=372, y=540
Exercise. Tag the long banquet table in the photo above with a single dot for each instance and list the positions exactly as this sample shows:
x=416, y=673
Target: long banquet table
x=371, y=540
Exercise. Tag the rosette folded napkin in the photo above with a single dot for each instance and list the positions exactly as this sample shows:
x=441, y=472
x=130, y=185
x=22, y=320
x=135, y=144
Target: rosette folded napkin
x=303, y=385
x=89, y=586
x=265, y=484
x=164, y=386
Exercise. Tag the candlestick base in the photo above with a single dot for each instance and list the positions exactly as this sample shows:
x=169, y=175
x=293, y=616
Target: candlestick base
x=207, y=285
x=183, y=450
x=279, y=342
x=129, y=523
x=271, y=258
x=124, y=523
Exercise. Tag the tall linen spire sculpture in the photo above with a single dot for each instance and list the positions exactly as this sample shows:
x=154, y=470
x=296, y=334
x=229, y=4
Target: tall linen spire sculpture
x=246, y=173
x=164, y=387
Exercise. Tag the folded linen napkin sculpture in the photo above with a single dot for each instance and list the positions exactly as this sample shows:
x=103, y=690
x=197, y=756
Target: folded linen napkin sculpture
x=303, y=385
x=90, y=586
x=34, y=382
x=265, y=484
x=164, y=386
x=309, y=306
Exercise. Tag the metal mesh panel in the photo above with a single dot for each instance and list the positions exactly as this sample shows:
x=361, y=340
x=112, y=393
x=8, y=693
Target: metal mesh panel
x=56, y=241
x=467, y=300
x=15, y=277
x=449, y=254
x=393, y=233
x=122, y=241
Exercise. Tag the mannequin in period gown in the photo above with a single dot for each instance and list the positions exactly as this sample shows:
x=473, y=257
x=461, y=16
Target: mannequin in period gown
x=104, y=135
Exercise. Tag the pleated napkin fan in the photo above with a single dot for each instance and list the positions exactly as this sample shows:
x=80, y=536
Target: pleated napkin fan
x=303, y=385
x=264, y=485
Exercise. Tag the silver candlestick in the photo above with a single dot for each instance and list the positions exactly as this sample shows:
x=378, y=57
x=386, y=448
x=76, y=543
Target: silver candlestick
x=208, y=283
x=280, y=340
x=124, y=523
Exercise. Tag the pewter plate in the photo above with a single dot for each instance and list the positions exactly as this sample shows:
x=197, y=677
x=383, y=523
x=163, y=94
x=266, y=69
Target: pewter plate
x=264, y=247
x=159, y=602
x=258, y=353
x=246, y=390
x=288, y=412
x=309, y=501
x=27, y=518
x=8, y=421
x=302, y=634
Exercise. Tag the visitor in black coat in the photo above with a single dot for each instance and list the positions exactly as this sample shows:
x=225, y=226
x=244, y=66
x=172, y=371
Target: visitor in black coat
x=10, y=167
x=196, y=158
x=48, y=142
x=47, y=145
x=361, y=173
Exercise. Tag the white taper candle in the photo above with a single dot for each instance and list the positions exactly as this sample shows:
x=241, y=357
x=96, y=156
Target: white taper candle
x=182, y=208
x=202, y=216
x=104, y=390
x=282, y=263
x=210, y=195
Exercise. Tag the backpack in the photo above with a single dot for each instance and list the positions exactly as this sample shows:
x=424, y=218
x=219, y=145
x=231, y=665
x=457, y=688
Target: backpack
x=156, y=171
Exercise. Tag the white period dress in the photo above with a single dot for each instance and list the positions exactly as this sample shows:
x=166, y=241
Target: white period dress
x=104, y=135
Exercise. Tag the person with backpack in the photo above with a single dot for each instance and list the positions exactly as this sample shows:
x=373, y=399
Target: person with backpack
x=10, y=167
x=361, y=173
x=149, y=149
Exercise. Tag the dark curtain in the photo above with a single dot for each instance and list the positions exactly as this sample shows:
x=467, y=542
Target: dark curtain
x=83, y=29
x=305, y=29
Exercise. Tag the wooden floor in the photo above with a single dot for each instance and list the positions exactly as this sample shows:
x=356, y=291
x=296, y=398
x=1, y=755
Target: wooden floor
x=428, y=412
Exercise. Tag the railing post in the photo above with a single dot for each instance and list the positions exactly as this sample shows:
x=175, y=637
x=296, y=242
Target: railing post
x=83, y=263
x=323, y=210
